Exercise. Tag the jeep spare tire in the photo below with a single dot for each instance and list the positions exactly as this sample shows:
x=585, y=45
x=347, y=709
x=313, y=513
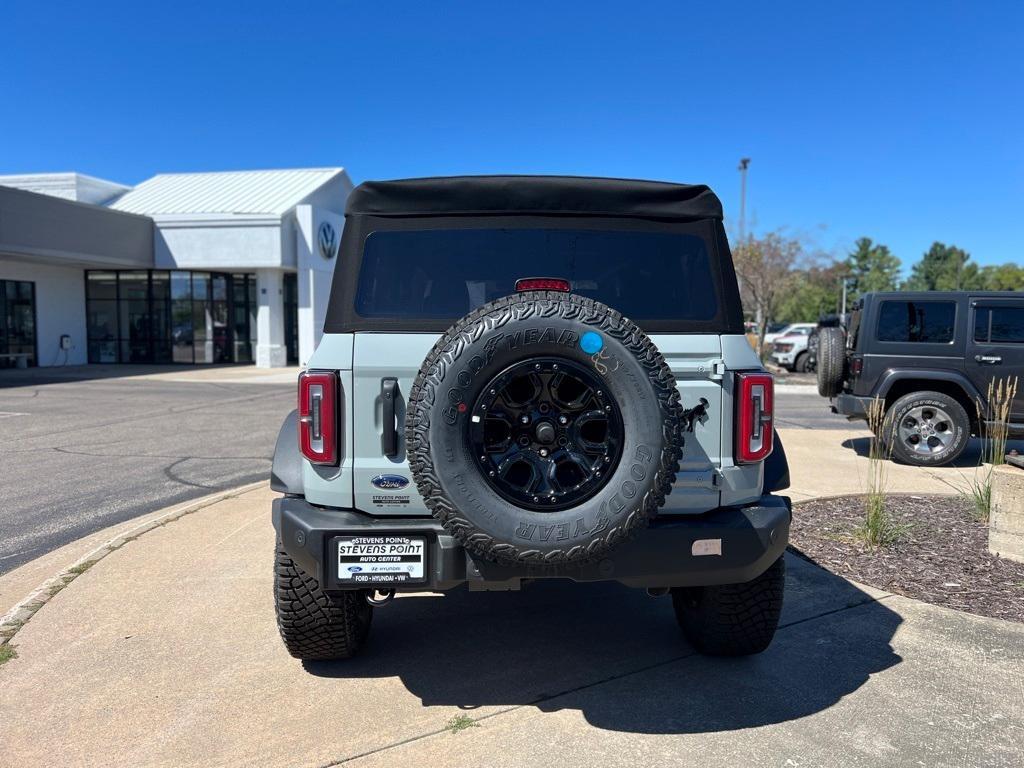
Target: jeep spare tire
x=543, y=427
x=831, y=361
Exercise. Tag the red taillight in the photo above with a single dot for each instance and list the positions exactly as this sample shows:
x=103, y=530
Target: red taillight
x=318, y=416
x=543, y=284
x=856, y=366
x=755, y=401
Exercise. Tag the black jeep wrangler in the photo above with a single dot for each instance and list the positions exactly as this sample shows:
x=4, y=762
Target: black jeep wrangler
x=930, y=358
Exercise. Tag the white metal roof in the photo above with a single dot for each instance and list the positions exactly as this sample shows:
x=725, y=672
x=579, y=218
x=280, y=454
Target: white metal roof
x=229, y=192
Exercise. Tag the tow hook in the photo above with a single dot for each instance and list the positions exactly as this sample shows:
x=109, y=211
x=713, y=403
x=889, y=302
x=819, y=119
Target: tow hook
x=386, y=596
x=657, y=591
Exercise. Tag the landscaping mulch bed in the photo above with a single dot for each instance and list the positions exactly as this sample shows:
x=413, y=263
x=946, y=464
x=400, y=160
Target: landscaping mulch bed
x=941, y=555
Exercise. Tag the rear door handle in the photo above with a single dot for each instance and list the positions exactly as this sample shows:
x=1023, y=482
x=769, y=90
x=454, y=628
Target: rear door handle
x=389, y=438
x=988, y=359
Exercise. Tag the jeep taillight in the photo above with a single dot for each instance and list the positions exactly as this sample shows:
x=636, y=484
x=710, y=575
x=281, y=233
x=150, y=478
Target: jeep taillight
x=856, y=366
x=754, y=409
x=318, y=416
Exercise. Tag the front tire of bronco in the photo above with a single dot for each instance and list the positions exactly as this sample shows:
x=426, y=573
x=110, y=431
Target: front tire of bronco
x=314, y=625
x=732, y=619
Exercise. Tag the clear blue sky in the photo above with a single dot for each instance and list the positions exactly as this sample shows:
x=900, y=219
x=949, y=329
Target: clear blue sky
x=900, y=121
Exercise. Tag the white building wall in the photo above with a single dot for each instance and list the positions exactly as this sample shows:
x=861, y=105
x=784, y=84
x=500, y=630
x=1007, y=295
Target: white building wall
x=315, y=272
x=223, y=246
x=60, y=308
x=270, y=348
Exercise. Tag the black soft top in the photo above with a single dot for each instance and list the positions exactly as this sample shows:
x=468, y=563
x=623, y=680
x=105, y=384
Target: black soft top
x=543, y=195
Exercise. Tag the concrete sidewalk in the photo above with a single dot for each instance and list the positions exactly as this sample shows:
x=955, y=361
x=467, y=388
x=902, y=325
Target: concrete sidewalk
x=165, y=653
x=835, y=462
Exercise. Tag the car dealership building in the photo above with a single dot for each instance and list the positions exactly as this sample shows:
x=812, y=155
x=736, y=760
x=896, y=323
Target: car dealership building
x=193, y=268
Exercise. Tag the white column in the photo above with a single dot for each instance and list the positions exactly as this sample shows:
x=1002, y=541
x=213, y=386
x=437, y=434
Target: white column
x=270, y=348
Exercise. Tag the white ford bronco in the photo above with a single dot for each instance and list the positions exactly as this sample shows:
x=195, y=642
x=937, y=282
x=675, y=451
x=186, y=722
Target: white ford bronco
x=528, y=378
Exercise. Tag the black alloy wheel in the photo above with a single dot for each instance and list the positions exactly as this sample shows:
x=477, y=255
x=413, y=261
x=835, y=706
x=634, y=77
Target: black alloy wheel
x=545, y=434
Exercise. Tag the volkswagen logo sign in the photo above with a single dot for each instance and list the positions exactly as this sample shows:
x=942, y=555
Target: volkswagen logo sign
x=327, y=239
x=390, y=482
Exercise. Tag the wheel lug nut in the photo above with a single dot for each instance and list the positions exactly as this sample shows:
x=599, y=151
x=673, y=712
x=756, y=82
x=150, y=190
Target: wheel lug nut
x=544, y=452
x=524, y=419
x=563, y=420
x=536, y=367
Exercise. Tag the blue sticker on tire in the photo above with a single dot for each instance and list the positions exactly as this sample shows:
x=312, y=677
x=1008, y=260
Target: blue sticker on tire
x=591, y=343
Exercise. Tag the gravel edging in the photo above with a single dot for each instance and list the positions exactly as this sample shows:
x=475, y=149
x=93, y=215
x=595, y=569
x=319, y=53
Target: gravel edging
x=12, y=621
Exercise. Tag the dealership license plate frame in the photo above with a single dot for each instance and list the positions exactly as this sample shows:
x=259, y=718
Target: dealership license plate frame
x=416, y=574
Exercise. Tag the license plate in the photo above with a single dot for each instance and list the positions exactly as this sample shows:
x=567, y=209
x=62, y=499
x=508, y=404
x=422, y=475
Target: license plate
x=381, y=559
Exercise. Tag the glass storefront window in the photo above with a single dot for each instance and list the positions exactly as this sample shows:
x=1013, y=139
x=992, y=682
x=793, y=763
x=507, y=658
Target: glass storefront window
x=163, y=316
x=101, y=285
x=17, y=324
x=181, y=285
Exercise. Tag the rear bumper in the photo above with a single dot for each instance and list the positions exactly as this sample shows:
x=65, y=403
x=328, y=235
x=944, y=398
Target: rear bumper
x=752, y=538
x=851, y=406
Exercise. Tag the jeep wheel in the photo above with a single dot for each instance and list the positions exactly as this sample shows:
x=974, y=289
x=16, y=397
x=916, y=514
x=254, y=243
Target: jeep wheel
x=314, y=625
x=927, y=429
x=732, y=619
x=543, y=427
x=831, y=361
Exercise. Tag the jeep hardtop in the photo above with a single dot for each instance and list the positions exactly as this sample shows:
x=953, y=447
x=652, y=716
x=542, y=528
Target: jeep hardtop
x=526, y=378
x=929, y=358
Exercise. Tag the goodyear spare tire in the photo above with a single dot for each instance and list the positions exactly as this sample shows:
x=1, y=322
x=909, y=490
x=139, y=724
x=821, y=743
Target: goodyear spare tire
x=543, y=427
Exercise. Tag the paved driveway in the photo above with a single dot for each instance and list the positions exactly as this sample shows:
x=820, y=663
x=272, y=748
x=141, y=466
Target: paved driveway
x=184, y=667
x=79, y=454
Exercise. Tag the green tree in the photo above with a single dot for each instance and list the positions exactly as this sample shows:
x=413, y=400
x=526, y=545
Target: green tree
x=1003, y=277
x=872, y=267
x=811, y=292
x=945, y=268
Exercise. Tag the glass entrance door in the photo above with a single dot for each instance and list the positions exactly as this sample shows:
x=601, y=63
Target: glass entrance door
x=291, y=317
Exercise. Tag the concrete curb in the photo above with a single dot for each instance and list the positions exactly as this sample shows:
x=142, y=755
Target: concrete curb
x=17, y=616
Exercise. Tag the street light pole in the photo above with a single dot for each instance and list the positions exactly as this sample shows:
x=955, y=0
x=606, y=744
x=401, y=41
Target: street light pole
x=744, y=164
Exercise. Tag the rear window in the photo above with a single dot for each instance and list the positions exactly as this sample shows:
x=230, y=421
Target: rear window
x=930, y=322
x=445, y=273
x=999, y=325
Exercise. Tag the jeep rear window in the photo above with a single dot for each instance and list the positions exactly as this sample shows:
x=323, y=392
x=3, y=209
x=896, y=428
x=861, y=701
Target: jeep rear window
x=445, y=273
x=930, y=322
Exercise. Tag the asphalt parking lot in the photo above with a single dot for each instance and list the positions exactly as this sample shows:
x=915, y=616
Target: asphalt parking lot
x=78, y=455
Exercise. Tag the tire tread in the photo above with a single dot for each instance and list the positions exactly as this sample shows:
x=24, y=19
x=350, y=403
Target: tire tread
x=495, y=315
x=732, y=619
x=314, y=625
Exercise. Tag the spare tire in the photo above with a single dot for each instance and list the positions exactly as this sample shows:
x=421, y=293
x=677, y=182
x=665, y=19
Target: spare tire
x=543, y=427
x=831, y=361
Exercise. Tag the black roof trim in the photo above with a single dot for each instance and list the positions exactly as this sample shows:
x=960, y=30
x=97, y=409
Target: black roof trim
x=536, y=195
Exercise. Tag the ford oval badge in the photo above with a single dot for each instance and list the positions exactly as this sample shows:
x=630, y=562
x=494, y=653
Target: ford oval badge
x=390, y=482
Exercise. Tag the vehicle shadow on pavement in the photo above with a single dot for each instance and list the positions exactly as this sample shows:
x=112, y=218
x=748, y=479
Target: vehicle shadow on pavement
x=969, y=459
x=619, y=658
